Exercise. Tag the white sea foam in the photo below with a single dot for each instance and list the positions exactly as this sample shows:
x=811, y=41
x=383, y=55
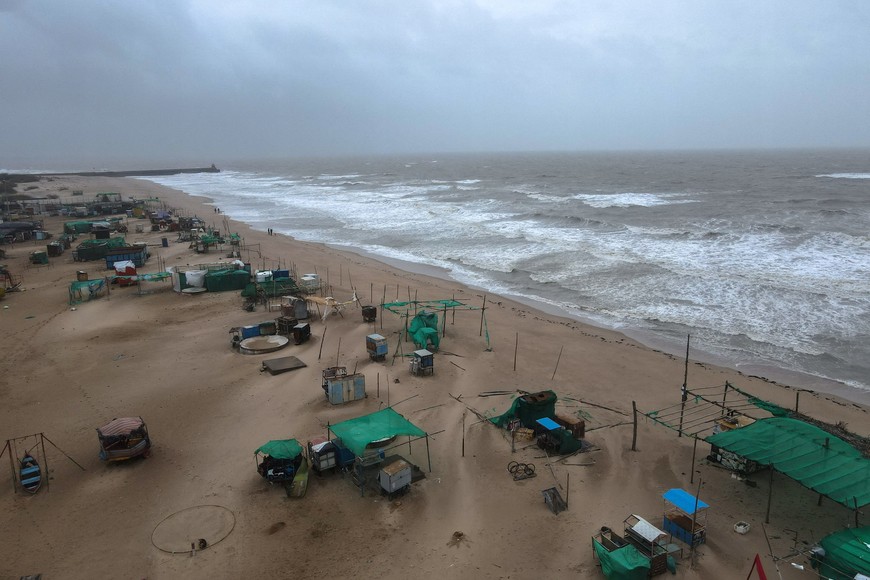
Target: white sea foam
x=846, y=175
x=629, y=199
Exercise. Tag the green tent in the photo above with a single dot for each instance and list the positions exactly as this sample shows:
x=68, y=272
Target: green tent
x=357, y=433
x=528, y=409
x=816, y=459
x=847, y=553
x=280, y=448
x=625, y=563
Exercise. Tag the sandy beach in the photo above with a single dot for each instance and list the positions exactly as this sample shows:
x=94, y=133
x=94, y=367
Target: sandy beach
x=166, y=356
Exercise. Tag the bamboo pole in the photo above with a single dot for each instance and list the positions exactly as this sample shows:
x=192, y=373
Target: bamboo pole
x=463, y=432
x=482, y=308
x=516, y=348
x=44, y=460
x=558, y=358
x=634, y=430
x=322, y=340
x=685, y=388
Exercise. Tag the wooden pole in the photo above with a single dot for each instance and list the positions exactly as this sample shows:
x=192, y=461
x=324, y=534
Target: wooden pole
x=516, y=347
x=482, y=308
x=379, y=385
x=634, y=430
x=337, y=351
x=567, y=490
x=769, y=496
x=322, y=340
x=428, y=457
x=558, y=358
x=463, y=433
x=694, y=450
x=797, y=400
x=444, y=327
x=685, y=388
x=45, y=460
x=11, y=465
x=694, y=520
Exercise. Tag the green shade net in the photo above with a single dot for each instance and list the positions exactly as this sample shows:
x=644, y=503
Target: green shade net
x=528, y=409
x=278, y=287
x=401, y=307
x=771, y=408
x=280, y=449
x=814, y=458
x=355, y=434
x=847, y=553
x=625, y=563
x=223, y=280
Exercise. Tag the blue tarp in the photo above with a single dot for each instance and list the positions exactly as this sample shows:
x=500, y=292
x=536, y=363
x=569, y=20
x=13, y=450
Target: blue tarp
x=684, y=501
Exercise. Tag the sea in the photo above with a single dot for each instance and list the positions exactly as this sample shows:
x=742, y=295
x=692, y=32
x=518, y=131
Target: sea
x=758, y=260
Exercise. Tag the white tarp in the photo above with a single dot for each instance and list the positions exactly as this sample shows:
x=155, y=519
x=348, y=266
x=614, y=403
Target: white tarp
x=196, y=278
x=123, y=265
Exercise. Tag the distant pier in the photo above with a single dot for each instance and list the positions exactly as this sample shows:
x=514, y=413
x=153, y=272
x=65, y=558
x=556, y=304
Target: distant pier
x=28, y=177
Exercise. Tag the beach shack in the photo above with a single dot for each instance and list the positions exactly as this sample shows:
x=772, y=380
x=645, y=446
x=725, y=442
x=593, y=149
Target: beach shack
x=341, y=387
x=369, y=438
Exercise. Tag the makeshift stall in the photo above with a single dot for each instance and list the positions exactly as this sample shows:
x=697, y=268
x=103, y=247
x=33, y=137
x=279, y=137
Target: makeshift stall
x=619, y=560
x=369, y=437
x=649, y=541
x=685, y=517
x=278, y=460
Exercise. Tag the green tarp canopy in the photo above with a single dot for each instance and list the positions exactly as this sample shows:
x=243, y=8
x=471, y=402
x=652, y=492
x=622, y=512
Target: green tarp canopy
x=816, y=459
x=280, y=449
x=355, y=434
x=528, y=409
x=77, y=227
x=625, y=563
x=847, y=553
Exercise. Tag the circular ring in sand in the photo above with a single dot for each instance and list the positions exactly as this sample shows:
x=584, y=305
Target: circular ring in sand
x=263, y=344
x=193, y=528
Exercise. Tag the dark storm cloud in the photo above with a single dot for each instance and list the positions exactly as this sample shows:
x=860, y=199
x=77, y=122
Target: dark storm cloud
x=102, y=83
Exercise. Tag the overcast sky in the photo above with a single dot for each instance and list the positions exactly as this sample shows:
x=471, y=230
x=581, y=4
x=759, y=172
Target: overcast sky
x=110, y=83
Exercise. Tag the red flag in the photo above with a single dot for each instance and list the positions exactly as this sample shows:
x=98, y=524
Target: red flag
x=757, y=564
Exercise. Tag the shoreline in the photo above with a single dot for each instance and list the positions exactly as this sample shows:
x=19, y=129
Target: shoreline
x=773, y=374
